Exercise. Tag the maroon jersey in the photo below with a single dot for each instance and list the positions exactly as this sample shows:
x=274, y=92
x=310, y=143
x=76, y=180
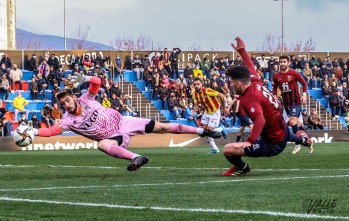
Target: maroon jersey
x=288, y=85
x=263, y=109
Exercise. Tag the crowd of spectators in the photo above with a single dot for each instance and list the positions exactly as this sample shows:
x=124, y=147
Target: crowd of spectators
x=166, y=83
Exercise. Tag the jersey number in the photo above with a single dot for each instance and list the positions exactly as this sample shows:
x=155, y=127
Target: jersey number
x=270, y=97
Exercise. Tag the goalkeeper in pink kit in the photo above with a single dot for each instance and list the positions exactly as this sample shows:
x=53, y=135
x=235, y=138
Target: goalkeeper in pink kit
x=87, y=117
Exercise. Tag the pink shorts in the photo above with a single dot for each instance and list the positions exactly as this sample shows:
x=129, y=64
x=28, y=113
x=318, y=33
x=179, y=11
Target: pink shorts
x=130, y=126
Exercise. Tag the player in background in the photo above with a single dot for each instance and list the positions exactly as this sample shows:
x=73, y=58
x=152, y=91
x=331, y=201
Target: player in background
x=212, y=101
x=245, y=121
x=87, y=117
x=264, y=110
x=287, y=82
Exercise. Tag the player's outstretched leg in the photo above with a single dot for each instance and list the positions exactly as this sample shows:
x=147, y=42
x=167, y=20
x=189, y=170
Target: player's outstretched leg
x=233, y=155
x=183, y=129
x=112, y=148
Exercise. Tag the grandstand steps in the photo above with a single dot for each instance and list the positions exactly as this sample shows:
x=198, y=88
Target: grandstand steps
x=142, y=104
x=325, y=114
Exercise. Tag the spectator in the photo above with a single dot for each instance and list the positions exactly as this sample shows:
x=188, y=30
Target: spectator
x=326, y=92
x=174, y=61
x=267, y=84
x=205, y=81
x=335, y=63
x=5, y=85
x=75, y=71
x=181, y=79
x=106, y=84
x=53, y=62
x=190, y=113
x=163, y=94
x=56, y=113
x=76, y=60
x=315, y=121
x=205, y=66
x=99, y=61
x=6, y=125
x=238, y=61
x=16, y=76
x=125, y=104
x=263, y=64
x=183, y=102
x=2, y=110
x=54, y=91
x=301, y=64
x=137, y=67
x=215, y=71
x=23, y=120
x=156, y=59
x=42, y=85
x=346, y=107
x=187, y=71
x=34, y=122
x=146, y=62
x=87, y=62
x=314, y=62
x=32, y=64
x=328, y=63
x=60, y=75
x=156, y=83
x=107, y=63
x=115, y=89
x=345, y=90
x=255, y=61
x=339, y=74
x=6, y=60
x=197, y=72
x=19, y=103
x=317, y=77
x=162, y=70
x=308, y=75
x=345, y=72
x=51, y=77
x=46, y=115
x=334, y=101
x=173, y=106
x=69, y=83
x=119, y=67
x=105, y=101
x=44, y=68
x=6, y=71
x=293, y=62
x=166, y=62
x=115, y=102
x=305, y=119
x=34, y=89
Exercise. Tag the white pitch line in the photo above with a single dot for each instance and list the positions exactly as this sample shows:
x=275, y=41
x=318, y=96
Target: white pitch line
x=233, y=180
x=169, y=168
x=197, y=210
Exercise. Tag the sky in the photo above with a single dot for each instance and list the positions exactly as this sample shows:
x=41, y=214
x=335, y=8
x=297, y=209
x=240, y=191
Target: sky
x=187, y=23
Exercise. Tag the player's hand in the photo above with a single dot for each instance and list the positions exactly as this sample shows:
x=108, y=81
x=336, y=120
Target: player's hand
x=239, y=44
x=225, y=111
x=304, y=99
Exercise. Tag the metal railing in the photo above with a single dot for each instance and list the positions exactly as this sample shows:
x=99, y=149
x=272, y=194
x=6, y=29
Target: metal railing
x=147, y=111
x=139, y=103
x=157, y=117
x=129, y=93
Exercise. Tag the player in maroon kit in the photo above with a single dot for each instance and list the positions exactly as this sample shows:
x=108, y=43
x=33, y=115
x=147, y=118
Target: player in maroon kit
x=287, y=82
x=266, y=113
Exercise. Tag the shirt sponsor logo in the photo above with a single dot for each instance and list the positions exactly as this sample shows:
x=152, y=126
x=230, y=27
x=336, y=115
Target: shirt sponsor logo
x=252, y=110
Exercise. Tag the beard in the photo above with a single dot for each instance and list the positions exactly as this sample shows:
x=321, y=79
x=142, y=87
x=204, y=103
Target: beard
x=283, y=67
x=197, y=89
x=73, y=110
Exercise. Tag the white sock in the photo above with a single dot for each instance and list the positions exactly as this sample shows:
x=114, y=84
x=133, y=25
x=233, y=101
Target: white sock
x=199, y=130
x=210, y=140
x=135, y=156
x=218, y=129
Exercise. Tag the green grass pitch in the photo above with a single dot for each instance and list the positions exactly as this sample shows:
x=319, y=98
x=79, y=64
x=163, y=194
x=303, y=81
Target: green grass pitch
x=177, y=184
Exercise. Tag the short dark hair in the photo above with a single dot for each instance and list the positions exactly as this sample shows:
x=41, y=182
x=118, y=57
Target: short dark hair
x=240, y=73
x=284, y=57
x=64, y=93
x=197, y=79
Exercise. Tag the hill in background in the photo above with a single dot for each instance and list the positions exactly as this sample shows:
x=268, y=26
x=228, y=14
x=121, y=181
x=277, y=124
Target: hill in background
x=29, y=40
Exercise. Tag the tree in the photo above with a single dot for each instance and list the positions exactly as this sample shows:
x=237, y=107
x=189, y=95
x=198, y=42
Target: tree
x=273, y=43
x=29, y=42
x=141, y=43
x=195, y=47
x=79, y=39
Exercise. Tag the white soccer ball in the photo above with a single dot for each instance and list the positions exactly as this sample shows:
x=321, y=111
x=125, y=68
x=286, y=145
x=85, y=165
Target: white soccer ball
x=23, y=136
x=346, y=119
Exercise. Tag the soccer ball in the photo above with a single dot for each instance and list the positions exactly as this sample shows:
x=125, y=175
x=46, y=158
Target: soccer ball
x=346, y=119
x=23, y=136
